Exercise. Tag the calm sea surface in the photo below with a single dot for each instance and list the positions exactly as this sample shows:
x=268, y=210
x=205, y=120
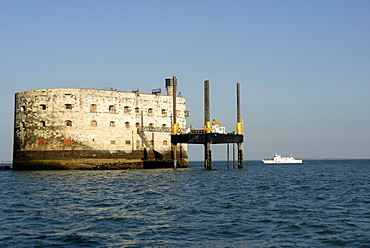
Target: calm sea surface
x=314, y=204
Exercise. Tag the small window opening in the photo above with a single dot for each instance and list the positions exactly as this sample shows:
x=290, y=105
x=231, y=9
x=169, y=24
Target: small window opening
x=126, y=109
x=112, y=142
x=127, y=124
x=42, y=107
x=93, y=108
x=42, y=123
x=137, y=110
x=94, y=123
x=150, y=111
x=68, y=123
x=112, y=108
x=164, y=111
x=128, y=142
x=164, y=142
x=112, y=124
x=68, y=106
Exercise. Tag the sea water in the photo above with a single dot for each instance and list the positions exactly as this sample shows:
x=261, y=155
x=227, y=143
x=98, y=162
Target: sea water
x=314, y=204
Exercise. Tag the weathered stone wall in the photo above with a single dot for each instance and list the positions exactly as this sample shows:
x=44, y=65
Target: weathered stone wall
x=94, y=124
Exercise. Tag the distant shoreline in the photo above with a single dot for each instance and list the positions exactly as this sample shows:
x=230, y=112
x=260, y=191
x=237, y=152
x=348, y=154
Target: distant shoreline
x=304, y=159
x=252, y=160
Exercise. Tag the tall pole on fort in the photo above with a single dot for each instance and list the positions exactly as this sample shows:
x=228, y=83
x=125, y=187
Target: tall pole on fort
x=207, y=127
x=239, y=128
x=174, y=125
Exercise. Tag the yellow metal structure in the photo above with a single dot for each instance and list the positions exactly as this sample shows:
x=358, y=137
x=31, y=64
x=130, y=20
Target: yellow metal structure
x=207, y=127
x=239, y=128
x=214, y=122
x=174, y=128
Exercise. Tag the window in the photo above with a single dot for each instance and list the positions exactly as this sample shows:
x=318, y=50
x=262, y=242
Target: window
x=128, y=142
x=112, y=108
x=68, y=106
x=112, y=142
x=164, y=125
x=126, y=109
x=151, y=142
x=151, y=125
x=137, y=110
x=164, y=111
x=94, y=123
x=93, y=108
x=187, y=113
x=150, y=111
x=112, y=124
x=42, y=124
x=137, y=124
x=42, y=107
x=23, y=124
x=164, y=142
x=68, y=123
x=127, y=124
x=23, y=108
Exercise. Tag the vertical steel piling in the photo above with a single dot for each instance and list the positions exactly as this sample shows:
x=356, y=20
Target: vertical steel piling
x=174, y=125
x=239, y=128
x=207, y=127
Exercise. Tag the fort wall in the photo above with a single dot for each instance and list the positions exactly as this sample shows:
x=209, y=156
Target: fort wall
x=70, y=128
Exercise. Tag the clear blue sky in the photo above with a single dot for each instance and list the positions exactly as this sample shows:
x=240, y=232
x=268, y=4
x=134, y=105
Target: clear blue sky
x=304, y=66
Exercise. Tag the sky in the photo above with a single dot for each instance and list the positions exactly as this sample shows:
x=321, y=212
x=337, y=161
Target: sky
x=303, y=66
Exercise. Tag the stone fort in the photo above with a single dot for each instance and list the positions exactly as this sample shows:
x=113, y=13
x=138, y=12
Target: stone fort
x=72, y=128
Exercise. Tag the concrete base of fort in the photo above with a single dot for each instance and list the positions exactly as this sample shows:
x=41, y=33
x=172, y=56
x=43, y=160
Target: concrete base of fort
x=93, y=160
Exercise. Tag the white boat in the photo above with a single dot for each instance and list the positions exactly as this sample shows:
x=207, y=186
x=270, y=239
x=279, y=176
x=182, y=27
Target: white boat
x=278, y=159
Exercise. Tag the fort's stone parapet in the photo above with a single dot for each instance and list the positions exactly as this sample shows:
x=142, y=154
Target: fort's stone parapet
x=72, y=128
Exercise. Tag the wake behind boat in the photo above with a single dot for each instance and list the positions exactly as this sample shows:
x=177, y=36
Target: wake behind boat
x=278, y=159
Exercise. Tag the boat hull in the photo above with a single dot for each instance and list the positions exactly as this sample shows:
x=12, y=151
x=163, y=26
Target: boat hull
x=278, y=159
x=282, y=162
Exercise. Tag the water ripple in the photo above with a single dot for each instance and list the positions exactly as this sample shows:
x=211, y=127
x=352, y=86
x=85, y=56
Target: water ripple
x=318, y=204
